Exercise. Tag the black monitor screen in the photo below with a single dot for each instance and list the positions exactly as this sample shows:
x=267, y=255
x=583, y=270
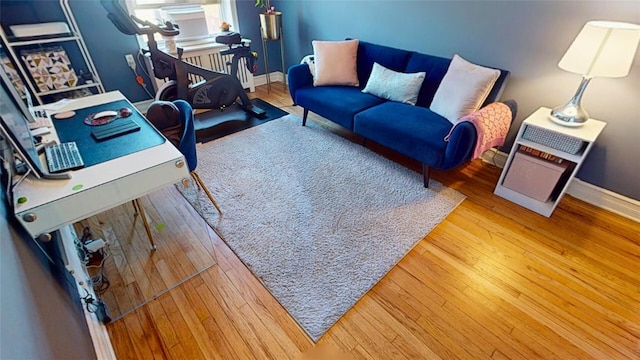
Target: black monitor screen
x=13, y=121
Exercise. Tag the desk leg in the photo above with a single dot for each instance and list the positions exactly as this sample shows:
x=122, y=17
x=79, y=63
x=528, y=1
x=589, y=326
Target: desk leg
x=139, y=210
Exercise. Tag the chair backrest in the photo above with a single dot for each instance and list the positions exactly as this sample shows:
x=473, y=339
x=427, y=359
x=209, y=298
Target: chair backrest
x=187, y=144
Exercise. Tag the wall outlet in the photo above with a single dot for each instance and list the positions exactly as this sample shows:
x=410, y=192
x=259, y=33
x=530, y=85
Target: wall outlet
x=131, y=61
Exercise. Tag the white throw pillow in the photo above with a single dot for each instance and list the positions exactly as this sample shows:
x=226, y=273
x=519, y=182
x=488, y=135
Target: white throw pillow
x=463, y=89
x=335, y=62
x=393, y=85
x=310, y=63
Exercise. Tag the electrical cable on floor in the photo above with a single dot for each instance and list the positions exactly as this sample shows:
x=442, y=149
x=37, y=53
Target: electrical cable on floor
x=493, y=157
x=100, y=283
x=94, y=260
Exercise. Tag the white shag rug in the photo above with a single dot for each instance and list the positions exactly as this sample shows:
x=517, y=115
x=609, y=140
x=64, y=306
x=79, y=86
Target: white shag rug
x=318, y=219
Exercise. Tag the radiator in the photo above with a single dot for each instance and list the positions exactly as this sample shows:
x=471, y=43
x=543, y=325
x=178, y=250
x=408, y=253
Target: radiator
x=210, y=58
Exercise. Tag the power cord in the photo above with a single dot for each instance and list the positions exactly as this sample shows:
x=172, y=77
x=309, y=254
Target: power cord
x=97, y=307
x=94, y=259
x=139, y=78
x=99, y=282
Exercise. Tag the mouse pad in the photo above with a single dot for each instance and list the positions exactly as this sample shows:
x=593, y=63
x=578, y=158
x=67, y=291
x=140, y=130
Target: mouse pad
x=95, y=152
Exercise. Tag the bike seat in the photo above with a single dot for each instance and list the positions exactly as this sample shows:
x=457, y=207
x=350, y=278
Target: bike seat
x=229, y=38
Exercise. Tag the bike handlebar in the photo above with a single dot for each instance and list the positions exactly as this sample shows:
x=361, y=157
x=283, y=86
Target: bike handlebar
x=169, y=29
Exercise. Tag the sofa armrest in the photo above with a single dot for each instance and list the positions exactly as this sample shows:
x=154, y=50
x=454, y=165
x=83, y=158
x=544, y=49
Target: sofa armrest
x=464, y=137
x=462, y=141
x=298, y=77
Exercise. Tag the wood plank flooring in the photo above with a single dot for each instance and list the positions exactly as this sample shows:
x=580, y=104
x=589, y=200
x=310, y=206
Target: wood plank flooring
x=492, y=281
x=134, y=273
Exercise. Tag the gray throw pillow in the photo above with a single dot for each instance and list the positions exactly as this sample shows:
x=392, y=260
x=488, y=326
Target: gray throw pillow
x=393, y=85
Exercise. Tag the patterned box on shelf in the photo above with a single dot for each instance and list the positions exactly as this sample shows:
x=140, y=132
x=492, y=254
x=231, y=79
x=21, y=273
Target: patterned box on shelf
x=50, y=68
x=12, y=73
x=553, y=139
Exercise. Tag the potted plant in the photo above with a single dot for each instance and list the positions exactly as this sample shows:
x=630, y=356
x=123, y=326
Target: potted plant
x=270, y=20
x=225, y=26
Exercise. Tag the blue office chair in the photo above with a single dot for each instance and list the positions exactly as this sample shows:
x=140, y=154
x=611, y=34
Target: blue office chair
x=166, y=121
x=187, y=146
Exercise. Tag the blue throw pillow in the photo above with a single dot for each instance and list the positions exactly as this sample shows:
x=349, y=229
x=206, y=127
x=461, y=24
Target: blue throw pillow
x=393, y=85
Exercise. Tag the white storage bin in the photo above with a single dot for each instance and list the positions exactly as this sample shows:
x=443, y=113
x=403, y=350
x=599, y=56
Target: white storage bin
x=29, y=30
x=533, y=177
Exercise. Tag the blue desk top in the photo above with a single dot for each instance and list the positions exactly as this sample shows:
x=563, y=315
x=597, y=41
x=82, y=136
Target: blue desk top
x=94, y=152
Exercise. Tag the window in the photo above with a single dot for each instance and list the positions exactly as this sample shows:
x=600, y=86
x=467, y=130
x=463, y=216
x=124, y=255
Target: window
x=199, y=18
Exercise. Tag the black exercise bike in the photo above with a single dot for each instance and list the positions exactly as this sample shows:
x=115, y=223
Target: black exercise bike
x=217, y=90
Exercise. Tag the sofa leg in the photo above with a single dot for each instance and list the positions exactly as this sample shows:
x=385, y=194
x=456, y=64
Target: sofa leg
x=304, y=117
x=425, y=175
x=364, y=142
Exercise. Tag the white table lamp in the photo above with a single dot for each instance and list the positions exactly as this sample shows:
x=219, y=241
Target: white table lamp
x=601, y=49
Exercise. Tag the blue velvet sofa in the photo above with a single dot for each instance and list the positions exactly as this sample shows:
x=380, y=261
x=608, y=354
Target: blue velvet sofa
x=414, y=131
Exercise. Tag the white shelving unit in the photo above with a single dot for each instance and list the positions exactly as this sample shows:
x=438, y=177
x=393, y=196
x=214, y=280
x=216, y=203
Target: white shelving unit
x=539, y=122
x=13, y=44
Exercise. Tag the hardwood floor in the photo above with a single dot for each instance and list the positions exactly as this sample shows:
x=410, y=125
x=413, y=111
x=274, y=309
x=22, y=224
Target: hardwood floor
x=492, y=281
x=134, y=273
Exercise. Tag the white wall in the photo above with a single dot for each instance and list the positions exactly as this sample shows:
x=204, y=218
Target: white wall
x=37, y=317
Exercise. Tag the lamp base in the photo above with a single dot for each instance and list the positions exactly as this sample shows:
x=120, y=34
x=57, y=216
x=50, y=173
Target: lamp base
x=564, y=123
x=570, y=114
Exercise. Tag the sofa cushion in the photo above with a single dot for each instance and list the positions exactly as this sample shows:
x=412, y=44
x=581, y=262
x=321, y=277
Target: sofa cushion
x=395, y=86
x=463, y=89
x=391, y=58
x=414, y=131
x=435, y=68
x=335, y=62
x=338, y=103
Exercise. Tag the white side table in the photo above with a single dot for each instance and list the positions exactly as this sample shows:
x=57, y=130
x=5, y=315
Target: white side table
x=543, y=160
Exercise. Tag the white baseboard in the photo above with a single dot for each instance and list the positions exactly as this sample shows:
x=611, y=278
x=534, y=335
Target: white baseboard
x=275, y=76
x=97, y=331
x=605, y=199
x=594, y=195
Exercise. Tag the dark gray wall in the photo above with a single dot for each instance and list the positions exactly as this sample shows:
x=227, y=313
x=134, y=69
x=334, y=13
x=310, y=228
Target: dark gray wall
x=38, y=319
x=527, y=38
x=108, y=47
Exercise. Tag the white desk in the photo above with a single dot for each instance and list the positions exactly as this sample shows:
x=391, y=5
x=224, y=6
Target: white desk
x=51, y=204
x=56, y=204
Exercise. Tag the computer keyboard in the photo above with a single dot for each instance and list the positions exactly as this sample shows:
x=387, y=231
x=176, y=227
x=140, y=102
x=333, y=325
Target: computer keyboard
x=63, y=157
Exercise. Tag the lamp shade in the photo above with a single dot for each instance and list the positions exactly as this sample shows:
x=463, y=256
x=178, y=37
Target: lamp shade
x=602, y=49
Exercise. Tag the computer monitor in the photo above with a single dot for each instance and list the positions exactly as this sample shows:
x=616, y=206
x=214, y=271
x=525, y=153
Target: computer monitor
x=14, y=117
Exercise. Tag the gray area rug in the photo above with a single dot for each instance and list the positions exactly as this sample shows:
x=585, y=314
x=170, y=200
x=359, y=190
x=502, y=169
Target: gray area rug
x=318, y=219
